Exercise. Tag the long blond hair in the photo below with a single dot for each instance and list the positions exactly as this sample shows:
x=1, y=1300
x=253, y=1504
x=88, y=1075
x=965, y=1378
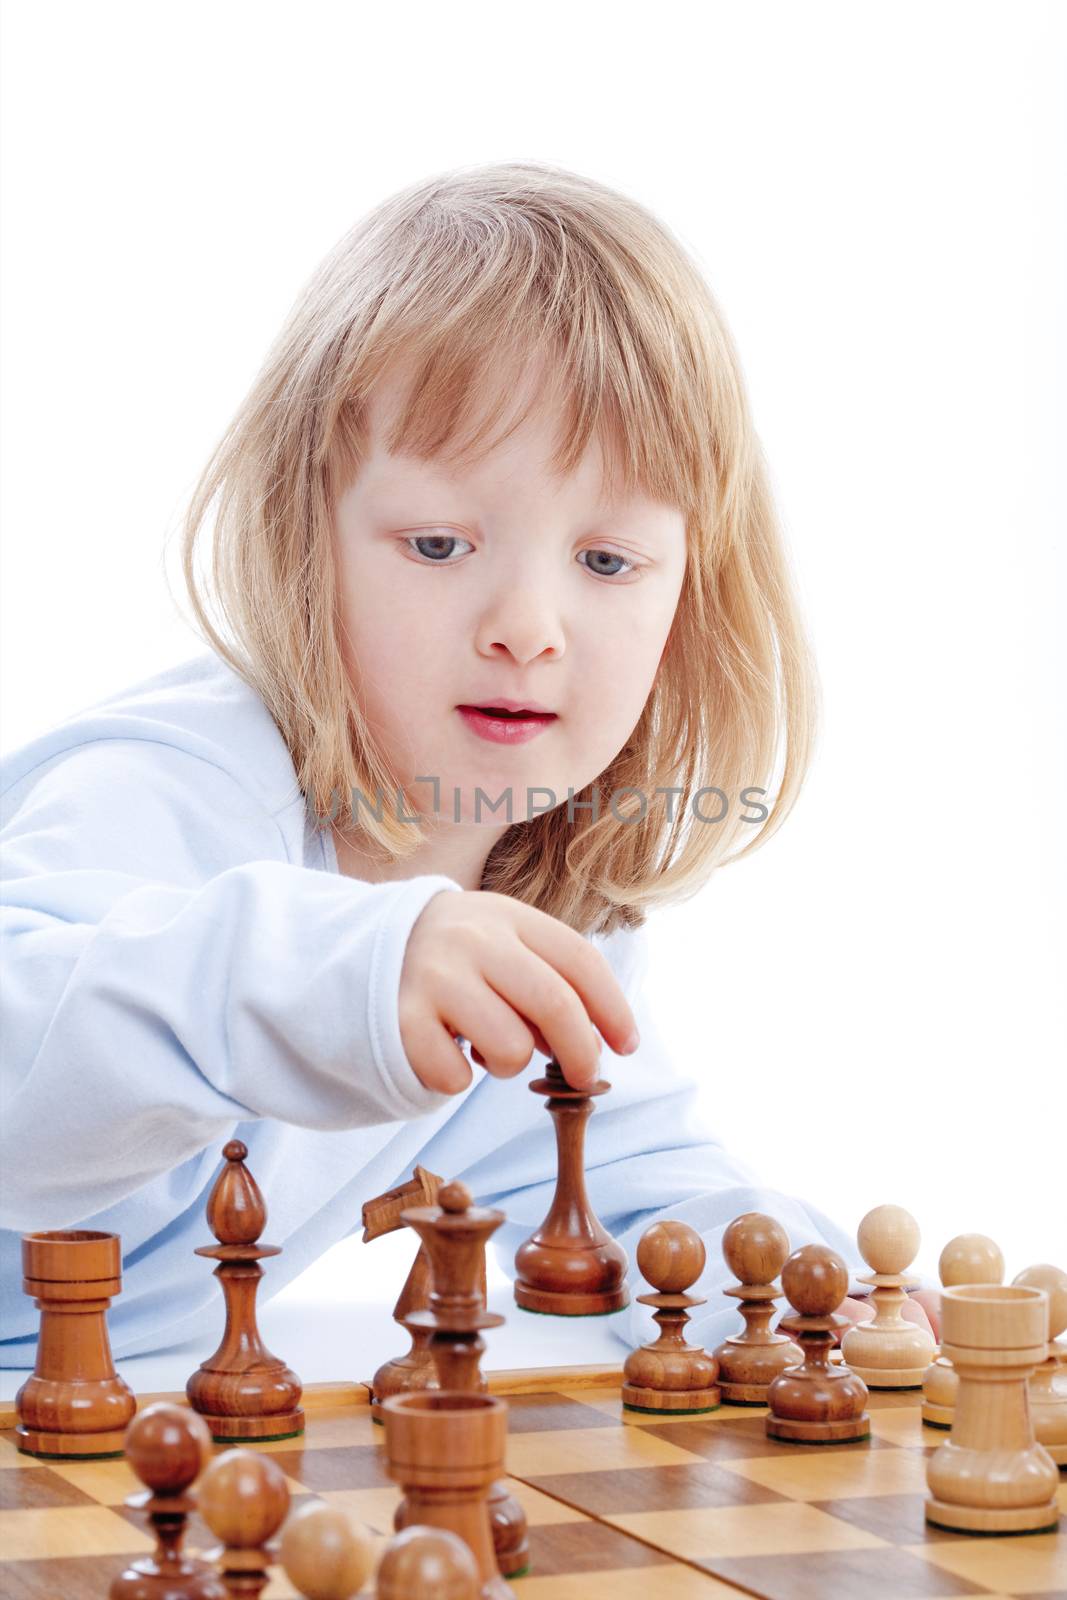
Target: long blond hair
x=456, y=274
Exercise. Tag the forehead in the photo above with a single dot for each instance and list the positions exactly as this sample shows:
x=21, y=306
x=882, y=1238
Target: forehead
x=509, y=432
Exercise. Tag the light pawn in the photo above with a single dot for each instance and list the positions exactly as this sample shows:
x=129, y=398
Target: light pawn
x=889, y=1353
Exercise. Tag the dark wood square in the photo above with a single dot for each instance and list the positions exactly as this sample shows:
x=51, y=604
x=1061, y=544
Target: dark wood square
x=881, y=1574
x=899, y=1518
x=746, y=1437
x=559, y=1547
x=680, y=1488
x=356, y=1466
x=530, y=1413
x=32, y=1488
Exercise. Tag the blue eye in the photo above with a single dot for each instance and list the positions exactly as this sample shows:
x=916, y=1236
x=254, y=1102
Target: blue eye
x=436, y=539
x=611, y=556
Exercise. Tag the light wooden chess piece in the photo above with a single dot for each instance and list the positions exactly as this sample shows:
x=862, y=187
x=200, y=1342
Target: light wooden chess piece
x=414, y=1369
x=968, y=1258
x=888, y=1352
x=242, y=1391
x=325, y=1555
x=243, y=1497
x=431, y=1563
x=1048, y=1386
x=571, y=1266
x=668, y=1375
x=444, y=1449
x=455, y=1233
x=75, y=1405
x=754, y=1247
x=816, y=1402
x=167, y=1447
x=991, y=1475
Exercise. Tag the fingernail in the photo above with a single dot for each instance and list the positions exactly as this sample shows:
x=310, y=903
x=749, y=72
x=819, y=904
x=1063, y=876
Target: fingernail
x=631, y=1044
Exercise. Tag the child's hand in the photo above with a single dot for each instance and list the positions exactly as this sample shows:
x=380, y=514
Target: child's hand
x=922, y=1306
x=512, y=980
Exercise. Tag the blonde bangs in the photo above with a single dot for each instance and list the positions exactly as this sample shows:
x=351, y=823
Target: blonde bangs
x=456, y=283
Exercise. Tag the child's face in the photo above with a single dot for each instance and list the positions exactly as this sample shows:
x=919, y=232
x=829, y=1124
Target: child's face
x=499, y=581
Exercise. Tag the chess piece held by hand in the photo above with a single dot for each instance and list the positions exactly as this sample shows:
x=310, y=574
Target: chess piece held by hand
x=816, y=1402
x=571, y=1266
x=668, y=1375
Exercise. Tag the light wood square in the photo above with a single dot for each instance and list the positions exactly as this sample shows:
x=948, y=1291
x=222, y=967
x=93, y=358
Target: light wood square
x=537, y=1454
x=108, y=1482
x=904, y=1427
x=1032, y=1563
x=764, y=1530
x=373, y=1507
x=827, y=1476
x=70, y=1531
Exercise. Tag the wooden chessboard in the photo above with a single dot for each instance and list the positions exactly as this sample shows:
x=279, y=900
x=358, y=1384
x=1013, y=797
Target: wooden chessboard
x=621, y=1506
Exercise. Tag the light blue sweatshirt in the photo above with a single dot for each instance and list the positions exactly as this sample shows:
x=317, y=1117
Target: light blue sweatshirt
x=183, y=963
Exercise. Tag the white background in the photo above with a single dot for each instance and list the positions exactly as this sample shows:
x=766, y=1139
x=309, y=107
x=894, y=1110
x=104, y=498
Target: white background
x=877, y=196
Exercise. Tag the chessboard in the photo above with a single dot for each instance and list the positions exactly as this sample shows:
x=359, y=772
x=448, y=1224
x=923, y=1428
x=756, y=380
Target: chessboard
x=621, y=1505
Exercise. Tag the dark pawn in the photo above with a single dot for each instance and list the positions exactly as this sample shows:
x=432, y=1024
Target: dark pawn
x=816, y=1402
x=669, y=1375
x=242, y=1391
x=167, y=1446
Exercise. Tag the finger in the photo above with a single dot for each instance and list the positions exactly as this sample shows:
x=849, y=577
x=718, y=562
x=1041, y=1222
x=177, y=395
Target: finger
x=912, y=1311
x=930, y=1300
x=436, y=1059
x=586, y=969
x=500, y=1041
x=535, y=989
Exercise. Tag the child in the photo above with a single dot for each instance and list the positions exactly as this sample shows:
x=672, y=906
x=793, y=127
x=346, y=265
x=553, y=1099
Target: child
x=501, y=451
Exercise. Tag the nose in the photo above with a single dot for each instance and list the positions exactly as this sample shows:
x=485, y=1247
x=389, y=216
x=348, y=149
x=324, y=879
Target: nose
x=521, y=618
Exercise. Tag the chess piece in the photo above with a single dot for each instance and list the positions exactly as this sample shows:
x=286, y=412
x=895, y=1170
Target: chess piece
x=167, y=1446
x=991, y=1475
x=242, y=1391
x=754, y=1247
x=415, y=1368
x=455, y=1233
x=326, y=1556
x=243, y=1497
x=75, y=1405
x=968, y=1258
x=445, y=1449
x=668, y=1375
x=1048, y=1386
x=888, y=1352
x=431, y=1563
x=816, y=1402
x=571, y=1266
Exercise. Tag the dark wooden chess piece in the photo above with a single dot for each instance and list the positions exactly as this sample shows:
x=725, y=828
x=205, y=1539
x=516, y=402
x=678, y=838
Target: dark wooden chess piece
x=817, y=1402
x=455, y=1232
x=429, y=1562
x=75, y=1405
x=571, y=1266
x=167, y=1447
x=415, y=1369
x=242, y=1391
x=670, y=1376
x=243, y=1497
x=755, y=1247
x=445, y=1449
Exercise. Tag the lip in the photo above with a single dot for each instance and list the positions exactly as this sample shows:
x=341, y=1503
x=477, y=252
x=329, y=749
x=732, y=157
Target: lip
x=498, y=731
x=511, y=705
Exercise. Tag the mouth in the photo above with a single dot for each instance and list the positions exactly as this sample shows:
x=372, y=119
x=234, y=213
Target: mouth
x=503, y=726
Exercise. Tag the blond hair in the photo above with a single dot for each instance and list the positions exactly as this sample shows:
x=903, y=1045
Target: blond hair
x=456, y=274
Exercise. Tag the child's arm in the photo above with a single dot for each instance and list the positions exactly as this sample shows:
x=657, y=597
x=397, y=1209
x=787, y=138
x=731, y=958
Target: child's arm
x=167, y=974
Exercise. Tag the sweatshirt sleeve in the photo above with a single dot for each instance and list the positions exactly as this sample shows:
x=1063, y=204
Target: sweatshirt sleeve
x=163, y=978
